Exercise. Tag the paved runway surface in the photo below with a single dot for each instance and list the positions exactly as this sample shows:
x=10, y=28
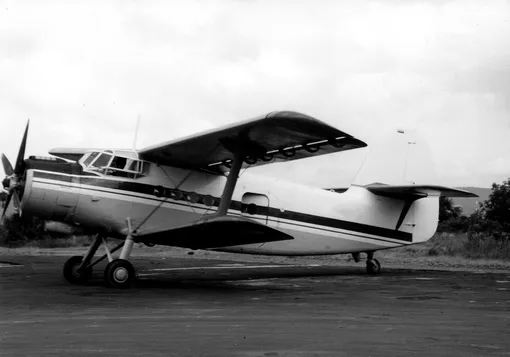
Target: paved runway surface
x=195, y=307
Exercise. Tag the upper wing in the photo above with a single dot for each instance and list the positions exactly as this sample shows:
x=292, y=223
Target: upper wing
x=276, y=136
x=217, y=232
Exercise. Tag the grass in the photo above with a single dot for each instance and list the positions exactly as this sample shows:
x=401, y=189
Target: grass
x=460, y=245
x=453, y=250
x=67, y=242
x=443, y=250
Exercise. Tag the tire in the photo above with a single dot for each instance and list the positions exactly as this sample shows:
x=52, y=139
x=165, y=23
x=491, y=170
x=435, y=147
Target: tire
x=373, y=267
x=119, y=273
x=71, y=273
x=378, y=264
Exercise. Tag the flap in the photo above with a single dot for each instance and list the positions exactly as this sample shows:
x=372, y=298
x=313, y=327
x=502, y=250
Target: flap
x=216, y=232
x=277, y=136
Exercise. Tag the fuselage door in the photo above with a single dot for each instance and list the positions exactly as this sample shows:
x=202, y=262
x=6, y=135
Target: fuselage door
x=255, y=206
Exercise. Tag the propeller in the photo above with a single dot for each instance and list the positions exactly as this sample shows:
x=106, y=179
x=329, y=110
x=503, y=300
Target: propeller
x=15, y=202
x=7, y=165
x=12, y=183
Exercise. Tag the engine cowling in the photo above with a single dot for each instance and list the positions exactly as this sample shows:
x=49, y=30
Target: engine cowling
x=48, y=193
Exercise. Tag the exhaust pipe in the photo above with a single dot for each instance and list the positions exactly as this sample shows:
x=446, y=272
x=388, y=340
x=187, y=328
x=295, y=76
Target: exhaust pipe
x=62, y=228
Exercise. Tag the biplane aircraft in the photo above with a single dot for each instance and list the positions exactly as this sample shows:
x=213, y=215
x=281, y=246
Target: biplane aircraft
x=195, y=193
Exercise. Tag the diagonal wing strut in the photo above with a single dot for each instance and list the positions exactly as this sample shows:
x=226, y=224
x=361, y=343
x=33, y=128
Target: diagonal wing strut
x=240, y=148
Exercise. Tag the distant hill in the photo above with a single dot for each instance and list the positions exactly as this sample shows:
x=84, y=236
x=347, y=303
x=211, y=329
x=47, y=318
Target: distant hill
x=469, y=204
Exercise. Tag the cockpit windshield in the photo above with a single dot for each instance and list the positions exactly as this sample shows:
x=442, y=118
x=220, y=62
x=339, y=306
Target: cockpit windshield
x=89, y=158
x=115, y=164
x=102, y=161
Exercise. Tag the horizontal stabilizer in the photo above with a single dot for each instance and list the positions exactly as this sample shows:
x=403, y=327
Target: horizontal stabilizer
x=406, y=191
x=217, y=232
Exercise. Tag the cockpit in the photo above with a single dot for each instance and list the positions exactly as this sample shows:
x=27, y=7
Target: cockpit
x=115, y=163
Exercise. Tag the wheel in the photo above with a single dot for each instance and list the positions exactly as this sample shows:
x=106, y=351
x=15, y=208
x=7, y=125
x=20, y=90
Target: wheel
x=71, y=272
x=119, y=273
x=373, y=266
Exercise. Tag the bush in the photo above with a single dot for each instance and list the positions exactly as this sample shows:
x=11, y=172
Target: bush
x=454, y=225
x=433, y=252
x=17, y=231
x=483, y=245
x=447, y=210
x=447, y=244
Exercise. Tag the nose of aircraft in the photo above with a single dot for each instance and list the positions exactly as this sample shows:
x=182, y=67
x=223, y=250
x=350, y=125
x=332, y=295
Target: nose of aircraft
x=13, y=182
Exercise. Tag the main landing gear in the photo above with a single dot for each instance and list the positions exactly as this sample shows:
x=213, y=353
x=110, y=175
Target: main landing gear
x=119, y=273
x=373, y=265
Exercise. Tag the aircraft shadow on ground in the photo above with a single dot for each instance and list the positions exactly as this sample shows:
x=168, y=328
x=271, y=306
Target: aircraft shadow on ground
x=231, y=279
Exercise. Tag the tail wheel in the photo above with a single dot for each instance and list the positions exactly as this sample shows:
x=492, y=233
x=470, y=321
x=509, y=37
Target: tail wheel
x=71, y=272
x=373, y=266
x=119, y=273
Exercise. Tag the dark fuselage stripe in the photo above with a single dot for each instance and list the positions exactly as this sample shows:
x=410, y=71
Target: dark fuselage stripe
x=235, y=205
x=189, y=204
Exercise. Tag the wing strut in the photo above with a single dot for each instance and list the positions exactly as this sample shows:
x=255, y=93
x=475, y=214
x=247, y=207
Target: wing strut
x=230, y=185
x=241, y=147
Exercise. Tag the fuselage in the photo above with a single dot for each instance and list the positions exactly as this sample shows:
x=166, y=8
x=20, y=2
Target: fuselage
x=321, y=221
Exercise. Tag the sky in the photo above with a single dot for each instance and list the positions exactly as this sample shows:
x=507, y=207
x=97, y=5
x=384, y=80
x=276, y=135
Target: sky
x=83, y=71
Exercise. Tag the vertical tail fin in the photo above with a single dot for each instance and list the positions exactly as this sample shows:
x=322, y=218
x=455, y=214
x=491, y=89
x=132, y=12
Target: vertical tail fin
x=399, y=167
x=398, y=158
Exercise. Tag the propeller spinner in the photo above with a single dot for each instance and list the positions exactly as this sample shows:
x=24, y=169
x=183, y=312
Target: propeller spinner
x=12, y=183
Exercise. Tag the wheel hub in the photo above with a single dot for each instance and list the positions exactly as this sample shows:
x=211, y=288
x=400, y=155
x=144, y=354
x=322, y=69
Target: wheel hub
x=120, y=275
x=75, y=270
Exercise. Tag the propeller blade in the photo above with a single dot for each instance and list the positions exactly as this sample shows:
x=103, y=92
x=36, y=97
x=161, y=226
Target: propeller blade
x=12, y=204
x=7, y=201
x=15, y=201
x=18, y=169
x=7, y=165
x=16, y=204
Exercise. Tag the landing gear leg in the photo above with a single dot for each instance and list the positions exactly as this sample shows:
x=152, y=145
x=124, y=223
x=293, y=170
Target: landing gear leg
x=373, y=265
x=77, y=269
x=120, y=273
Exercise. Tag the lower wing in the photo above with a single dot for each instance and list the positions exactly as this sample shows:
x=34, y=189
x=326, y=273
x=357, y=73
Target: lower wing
x=216, y=232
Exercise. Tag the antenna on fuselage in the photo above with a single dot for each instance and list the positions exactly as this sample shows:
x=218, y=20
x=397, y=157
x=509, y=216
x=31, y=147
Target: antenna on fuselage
x=136, y=131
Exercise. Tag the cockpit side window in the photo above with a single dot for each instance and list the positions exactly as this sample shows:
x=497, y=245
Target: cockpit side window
x=145, y=167
x=118, y=162
x=132, y=165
